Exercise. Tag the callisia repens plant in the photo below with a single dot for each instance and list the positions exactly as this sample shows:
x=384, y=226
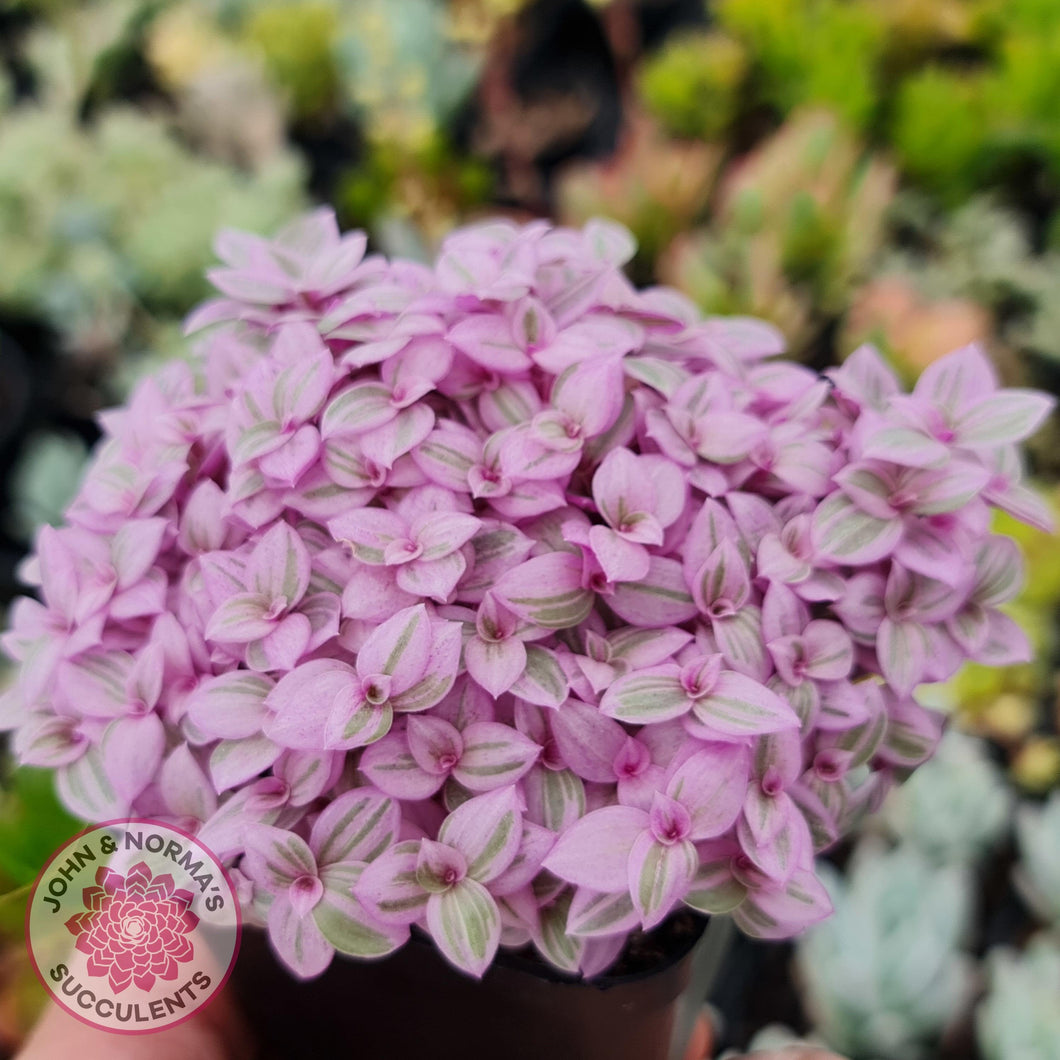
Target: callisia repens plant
x=504, y=601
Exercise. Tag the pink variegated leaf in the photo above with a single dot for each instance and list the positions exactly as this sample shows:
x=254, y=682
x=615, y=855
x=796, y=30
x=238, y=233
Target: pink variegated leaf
x=434, y=744
x=594, y=852
x=592, y=914
x=297, y=940
x=591, y=394
x=660, y=599
x=741, y=706
x=727, y=437
x=952, y=488
x=998, y=571
x=739, y=639
x=659, y=876
x=553, y=938
x=722, y=585
x=486, y=830
x=534, y=845
x=86, y=789
x=435, y=579
x=959, y=379
x=358, y=409
x=588, y=740
x=388, y=888
x=903, y=649
x=912, y=734
x=555, y=798
x=440, y=533
x=1002, y=418
x=400, y=648
x=781, y=912
x=711, y=785
x=466, y=926
x=844, y=705
x=542, y=681
x=906, y=446
x=132, y=751
x=714, y=889
x=276, y=858
x=303, y=700
x=284, y=645
x=241, y=619
x=621, y=559
x=346, y=924
x=439, y=671
x=368, y=532
x=389, y=765
x=488, y=340
x=494, y=756
x=308, y=774
x=621, y=488
x=547, y=591
x=234, y=762
x=844, y=533
x=1006, y=644
x=495, y=665
x=357, y=826
x=647, y=696
x=49, y=742
x=447, y=454
x=98, y=682
x=354, y=722
x=135, y=547
x=230, y=706
x=788, y=848
x=829, y=651
x=372, y=594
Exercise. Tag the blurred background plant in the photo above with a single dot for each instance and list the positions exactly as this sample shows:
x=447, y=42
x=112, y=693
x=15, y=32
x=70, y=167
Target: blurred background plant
x=882, y=171
x=1020, y=1017
x=887, y=975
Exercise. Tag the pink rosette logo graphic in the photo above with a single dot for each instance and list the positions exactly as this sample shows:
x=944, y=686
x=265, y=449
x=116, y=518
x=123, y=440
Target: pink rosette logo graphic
x=136, y=927
x=133, y=926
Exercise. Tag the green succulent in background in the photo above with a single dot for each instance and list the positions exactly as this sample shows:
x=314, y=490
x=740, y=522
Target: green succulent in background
x=693, y=85
x=811, y=53
x=401, y=70
x=794, y=228
x=1037, y=874
x=296, y=40
x=32, y=824
x=1020, y=1018
x=886, y=975
x=44, y=481
x=956, y=808
x=107, y=229
x=939, y=132
x=655, y=186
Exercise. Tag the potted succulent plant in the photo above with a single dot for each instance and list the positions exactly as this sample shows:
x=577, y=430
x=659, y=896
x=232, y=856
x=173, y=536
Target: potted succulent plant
x=503, y=604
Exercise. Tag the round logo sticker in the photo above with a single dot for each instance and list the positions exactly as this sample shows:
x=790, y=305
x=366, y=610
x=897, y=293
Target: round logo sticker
x=133, y=926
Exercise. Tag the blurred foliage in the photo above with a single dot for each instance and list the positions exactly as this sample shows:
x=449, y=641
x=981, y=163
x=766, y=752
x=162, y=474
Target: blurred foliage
x=886, y=975
x=853, y=170
x=794, y=226
x=1020, y=1017
x=956, y=808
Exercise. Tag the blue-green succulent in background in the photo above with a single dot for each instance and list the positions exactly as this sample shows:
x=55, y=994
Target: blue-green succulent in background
x=886, y=975
x=1020, y=1017
x=1038, y=872
x=956, y=807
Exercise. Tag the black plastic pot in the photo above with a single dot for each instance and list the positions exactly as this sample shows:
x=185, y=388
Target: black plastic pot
x=413, y=1004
